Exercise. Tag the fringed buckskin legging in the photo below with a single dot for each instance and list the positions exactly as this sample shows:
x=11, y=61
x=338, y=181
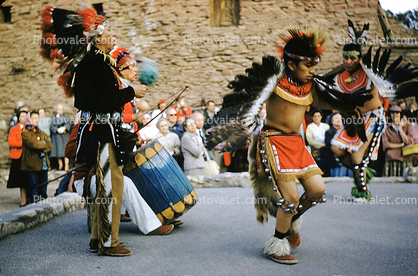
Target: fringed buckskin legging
x=108, y=201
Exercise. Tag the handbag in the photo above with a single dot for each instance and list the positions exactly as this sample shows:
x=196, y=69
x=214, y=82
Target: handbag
x=211, y=167
x=410, y=149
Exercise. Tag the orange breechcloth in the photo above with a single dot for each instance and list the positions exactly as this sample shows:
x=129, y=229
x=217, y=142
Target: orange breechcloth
x=287, y=156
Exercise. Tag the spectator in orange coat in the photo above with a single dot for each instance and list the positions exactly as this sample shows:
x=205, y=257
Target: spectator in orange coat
x=17, y=177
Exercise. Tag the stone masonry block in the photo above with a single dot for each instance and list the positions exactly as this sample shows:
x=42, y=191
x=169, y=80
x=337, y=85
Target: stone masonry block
x=58, y=208
x=12, y=227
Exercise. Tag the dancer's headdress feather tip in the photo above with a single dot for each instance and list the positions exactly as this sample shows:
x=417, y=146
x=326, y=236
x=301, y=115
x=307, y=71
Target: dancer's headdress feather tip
x=313, y=36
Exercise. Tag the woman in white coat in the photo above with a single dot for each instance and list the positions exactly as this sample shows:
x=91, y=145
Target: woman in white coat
x=169, y=140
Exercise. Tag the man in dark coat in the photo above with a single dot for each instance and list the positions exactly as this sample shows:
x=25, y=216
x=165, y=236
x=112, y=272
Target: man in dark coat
x=99, y=94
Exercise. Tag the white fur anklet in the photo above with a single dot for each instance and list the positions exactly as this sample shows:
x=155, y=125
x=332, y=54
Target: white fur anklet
x=295, y=226
x=277, y=247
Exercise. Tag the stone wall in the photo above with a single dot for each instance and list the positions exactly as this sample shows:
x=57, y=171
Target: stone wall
x=176, y=34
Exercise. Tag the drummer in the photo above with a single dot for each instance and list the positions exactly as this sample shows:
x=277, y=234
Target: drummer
x=140, y=212
x=127, y=69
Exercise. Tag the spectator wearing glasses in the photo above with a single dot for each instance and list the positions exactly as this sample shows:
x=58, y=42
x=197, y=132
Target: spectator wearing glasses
x=174, y=125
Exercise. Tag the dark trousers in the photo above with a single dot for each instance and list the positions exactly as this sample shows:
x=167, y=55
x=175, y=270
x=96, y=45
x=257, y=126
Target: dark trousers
x=34, y=178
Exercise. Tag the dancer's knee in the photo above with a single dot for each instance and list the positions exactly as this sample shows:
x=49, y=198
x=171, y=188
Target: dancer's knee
x=318, y=191
x=314, y=186
x=337, y=151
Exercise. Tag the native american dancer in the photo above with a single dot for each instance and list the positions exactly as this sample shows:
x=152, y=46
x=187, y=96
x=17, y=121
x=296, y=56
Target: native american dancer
x=277, y=154
x=81, y=41
x=355, y=147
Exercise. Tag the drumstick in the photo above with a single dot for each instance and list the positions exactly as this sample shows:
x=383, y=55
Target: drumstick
x=56, y=178
x=178, y=96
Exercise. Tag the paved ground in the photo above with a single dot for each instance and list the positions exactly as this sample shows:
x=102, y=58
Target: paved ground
x=10, y=198
x=221, y=237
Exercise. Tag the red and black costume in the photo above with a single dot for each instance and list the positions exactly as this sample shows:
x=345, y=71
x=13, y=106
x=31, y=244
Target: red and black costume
x=98, y=93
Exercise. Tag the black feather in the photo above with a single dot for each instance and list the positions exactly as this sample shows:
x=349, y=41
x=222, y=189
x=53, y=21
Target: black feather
x=231, y=114
x=325, y=79
x=367, y=58
x=357, y=36
x=406, y=90
x=376, y=60
x=365, y=27
x=257, y=76
x=343, y=101
x=354, y=125
x=231, y=133
x=235, y=99
x=68, y=27
x=329, y=76
x=233, y=147
x=236, y=106
x=403, y=73
x=394, y=64
x=384, y=60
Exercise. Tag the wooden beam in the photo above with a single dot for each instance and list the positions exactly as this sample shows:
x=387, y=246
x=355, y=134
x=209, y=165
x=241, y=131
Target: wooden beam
x=384, y=23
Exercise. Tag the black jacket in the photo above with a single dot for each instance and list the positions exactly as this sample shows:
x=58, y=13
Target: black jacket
x=96, y=86
x=97, y=90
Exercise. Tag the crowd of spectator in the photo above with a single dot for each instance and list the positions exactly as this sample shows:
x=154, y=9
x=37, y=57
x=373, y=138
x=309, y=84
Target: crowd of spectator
x=34, y=139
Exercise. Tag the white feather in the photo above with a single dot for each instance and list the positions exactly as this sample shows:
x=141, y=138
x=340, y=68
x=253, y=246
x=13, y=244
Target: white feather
x=385, y=88
x=250, y=117
x=351, y=34
x=363, y=37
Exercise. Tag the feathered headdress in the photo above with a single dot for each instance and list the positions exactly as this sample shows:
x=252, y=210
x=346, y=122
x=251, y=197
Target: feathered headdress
x=122, y=57
x=358, y=39
x=357, y=36
x=303, y=44
x=67, y=36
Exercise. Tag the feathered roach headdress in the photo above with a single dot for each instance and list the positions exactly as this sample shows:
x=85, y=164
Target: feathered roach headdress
x=148, y=73
x=67, y=36
x=122, y=57
x=303, y=44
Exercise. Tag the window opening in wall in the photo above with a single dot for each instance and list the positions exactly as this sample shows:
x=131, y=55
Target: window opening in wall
x=224, y=13
x=99, y=8
x=6, y=15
